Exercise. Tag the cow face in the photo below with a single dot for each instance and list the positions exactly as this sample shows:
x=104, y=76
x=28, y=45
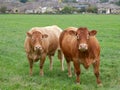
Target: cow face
x=83, y=36
x=36, y=40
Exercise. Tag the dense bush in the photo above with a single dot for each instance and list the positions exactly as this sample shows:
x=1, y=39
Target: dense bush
x=118, y=3
x=3, y=9
x=103, y=1
x=92, y=9
x=23, y=1
x=70, y=10
x=67, y=10
x=69, y=1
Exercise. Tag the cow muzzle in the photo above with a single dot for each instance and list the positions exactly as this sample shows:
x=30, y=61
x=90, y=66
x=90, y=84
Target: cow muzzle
x=83, y=47
x=38, y=48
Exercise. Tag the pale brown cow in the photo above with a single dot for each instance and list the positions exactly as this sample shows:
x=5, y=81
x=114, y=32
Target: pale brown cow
x=81, y=46
x=41, y=42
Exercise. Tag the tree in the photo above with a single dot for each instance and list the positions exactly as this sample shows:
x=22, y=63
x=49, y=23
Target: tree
x=66, y=1
x=92, y=9
x=83, y=9
x=103, y=1
x=118, y=3
x=67, y=10
x=3, y=9
x=23, y=1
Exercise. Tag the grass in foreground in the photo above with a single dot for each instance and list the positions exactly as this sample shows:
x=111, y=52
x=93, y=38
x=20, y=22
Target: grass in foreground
x=14, y=67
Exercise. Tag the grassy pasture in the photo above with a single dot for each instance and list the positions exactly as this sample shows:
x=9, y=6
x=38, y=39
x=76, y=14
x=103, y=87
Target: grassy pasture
x=14, y=67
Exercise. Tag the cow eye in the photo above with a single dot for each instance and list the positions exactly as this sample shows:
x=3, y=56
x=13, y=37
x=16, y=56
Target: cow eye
x=40, y=38
x=33, y=39
x=78, y=37
x=88, y=36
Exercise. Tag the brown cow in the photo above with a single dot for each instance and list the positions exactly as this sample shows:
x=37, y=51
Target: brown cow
x=81, y=47
x=41, y=42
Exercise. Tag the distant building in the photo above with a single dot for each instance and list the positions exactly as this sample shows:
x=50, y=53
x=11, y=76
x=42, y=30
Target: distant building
x=108, y=8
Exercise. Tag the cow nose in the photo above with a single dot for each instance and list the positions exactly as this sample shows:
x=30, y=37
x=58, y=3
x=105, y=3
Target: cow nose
x=38, y=47
x=83, y=47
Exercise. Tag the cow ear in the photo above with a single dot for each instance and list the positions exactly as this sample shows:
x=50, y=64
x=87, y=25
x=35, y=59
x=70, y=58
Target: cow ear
x=72, y=32
x=93, y=33
x=29, y=34
x=44, y=36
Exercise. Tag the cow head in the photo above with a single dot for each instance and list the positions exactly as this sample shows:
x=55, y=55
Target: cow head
x=36, y=40
x=83, y=36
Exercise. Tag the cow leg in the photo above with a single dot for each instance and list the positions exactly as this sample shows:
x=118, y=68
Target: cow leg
x=77, y=70
x=69, y=69
x=31, y=65
x=41, y=64
x=61, y=57
x=96, y=71
x=51, y=62
x=74, y=72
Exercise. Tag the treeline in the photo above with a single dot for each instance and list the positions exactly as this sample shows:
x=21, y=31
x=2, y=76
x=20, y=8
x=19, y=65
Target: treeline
x=118, y=3
x=23, y=1
x=71, y=10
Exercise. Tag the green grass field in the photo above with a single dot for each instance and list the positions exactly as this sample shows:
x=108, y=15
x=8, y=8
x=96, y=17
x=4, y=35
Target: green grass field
x=14, y=67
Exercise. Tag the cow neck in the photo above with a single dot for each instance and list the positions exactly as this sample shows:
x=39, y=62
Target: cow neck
x=83, y=54
x=84, y=58
x=37, y=55
x=38, y=52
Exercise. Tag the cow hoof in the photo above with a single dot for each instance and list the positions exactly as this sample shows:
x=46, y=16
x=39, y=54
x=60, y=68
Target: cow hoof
x=69, y=76
x=77, y=83
x=100, y=85
x=30, y=74
x=62, y=69
x=51, y=69
x=41, y=74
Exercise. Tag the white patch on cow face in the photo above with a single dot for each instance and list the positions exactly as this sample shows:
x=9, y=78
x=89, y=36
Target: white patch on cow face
x=83, y=47
x=38, y=44
x=37, y=47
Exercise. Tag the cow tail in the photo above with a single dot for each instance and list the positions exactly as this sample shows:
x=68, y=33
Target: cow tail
x=61, y=58
x=60, y=55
